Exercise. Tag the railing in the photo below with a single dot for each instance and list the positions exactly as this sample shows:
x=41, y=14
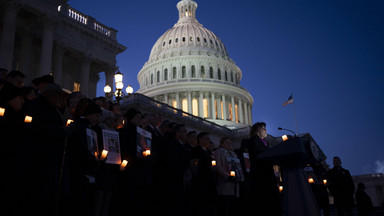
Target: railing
x=88, y=21
x=167, y=109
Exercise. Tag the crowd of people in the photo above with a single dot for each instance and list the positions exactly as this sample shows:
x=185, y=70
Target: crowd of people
x=51, y=167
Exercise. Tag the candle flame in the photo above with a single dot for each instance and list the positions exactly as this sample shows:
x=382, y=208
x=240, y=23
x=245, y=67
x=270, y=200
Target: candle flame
x=28, y=119
x=2, y=110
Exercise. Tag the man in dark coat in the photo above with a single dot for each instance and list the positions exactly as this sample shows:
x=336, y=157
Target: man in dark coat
x=340, y=184
x=204, y=192
x=48, y=137
x=175, y=166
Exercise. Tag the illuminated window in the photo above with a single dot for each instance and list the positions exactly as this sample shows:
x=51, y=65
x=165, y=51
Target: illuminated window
x=205, y=108
x=174, y=104
x=190, y=38
x=184, y=105
x=195, y=107
x=216, y=113
x=76, y=86
x=230, y=112
x=222, y=113
x=237, y=113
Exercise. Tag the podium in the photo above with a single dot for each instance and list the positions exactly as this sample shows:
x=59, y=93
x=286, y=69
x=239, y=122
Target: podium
x=292, y=156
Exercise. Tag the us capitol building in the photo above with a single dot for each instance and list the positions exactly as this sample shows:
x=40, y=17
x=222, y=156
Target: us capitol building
x=189, y=69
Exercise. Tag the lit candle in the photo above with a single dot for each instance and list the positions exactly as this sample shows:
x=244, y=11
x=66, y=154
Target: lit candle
x=325, y=181
x=103, y=154
x=233, y=174
x=284, y=137
x=69, y=121
x=2, y=110
x=280, y=188
x=28, y=119
x=147, y=152
x=213, y=163
x=123, y=164
x=310, y=180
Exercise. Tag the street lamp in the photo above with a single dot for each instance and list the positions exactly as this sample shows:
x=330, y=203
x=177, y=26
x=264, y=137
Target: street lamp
x=119, y=94
x=107, y=91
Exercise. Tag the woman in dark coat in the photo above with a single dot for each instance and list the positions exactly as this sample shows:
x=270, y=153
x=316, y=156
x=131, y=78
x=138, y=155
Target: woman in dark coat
x=264, y=191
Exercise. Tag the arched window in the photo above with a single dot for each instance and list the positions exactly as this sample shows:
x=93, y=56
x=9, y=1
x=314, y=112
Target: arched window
x=218, y=74
x=165, y=74
x=183, y=72
x=174, y=73
x=193, y=71
x=202, y=69
x=158, y=76
x=211, y=72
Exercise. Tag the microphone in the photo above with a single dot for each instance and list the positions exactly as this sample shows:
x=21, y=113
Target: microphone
x=287, y=130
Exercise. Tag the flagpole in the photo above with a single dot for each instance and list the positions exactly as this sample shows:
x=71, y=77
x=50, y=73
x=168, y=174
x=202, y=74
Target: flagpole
x=294, y=111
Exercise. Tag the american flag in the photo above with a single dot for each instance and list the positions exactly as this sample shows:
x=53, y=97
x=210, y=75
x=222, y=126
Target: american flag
x=289, y=101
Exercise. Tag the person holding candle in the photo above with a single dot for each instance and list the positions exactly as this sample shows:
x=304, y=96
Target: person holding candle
x=14, y=154
x=84, y=152
x=264, y=191
x=47, y=136
x=135, y=183
x=229, y=174
x=204, y=194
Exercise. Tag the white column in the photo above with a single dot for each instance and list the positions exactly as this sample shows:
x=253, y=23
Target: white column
x=219, y=111
x=109, y=77
x=177, y=100
x=85, y=71
x=58, y=64
x=189, y=102
x=224, y=107
x=8, y=36
x=25, y=56
x=241, y=120
x=250, y=114
x=213, y=105
x=233, y=109
x=245, y=113
x=166, y=99
x=46, y=48
x=201, y=109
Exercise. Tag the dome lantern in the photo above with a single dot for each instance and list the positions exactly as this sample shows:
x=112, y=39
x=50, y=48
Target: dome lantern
x=187, y=9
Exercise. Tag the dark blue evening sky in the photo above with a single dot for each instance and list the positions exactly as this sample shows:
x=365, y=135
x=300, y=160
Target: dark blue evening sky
x=329, y=54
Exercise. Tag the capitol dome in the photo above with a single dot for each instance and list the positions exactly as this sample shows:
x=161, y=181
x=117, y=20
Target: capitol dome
x=189, y=69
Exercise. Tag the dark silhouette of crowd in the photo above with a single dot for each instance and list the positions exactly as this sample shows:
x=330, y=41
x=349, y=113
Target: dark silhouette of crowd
x=53, y=161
